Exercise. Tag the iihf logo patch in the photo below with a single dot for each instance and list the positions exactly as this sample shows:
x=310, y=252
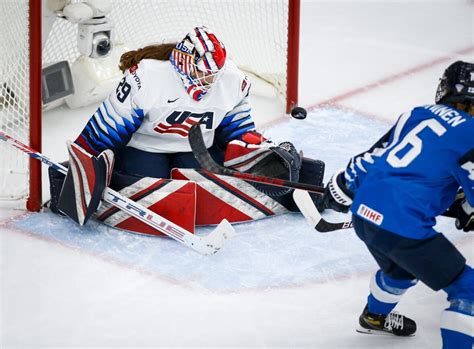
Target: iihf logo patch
x=370, y=214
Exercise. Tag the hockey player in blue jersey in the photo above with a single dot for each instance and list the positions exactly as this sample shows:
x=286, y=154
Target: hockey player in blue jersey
x=395, y=191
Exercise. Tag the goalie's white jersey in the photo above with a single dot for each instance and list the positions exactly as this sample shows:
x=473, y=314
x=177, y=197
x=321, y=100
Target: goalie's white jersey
x=150, y=110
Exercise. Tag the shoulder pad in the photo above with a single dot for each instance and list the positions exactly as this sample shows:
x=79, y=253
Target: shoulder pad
x=236, y=74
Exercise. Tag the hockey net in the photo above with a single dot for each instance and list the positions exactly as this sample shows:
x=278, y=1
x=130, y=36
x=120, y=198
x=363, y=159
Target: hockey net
x=261, y=36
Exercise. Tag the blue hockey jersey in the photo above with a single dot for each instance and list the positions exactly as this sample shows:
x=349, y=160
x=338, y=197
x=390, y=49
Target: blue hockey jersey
x=412, y=174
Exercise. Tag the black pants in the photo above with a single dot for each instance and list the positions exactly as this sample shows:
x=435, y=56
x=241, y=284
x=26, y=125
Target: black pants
x=157, y=165
x=133, y=164
x=434, y=261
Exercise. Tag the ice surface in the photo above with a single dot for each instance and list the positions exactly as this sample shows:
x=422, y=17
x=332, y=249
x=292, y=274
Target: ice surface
x=274, y=252
x=249, y=260
x=276, y=260
x=278, y=283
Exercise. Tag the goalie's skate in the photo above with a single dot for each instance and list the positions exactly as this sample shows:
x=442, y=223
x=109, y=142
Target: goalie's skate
x=393, y=323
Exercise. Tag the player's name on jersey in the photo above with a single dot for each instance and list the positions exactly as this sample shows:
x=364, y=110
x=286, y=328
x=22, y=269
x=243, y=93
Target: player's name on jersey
x=451, y=116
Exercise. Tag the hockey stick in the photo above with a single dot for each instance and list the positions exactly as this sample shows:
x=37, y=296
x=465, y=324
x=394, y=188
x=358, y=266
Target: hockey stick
x=312, y=215
x=314, y=218
x=207, y=245
x=207, y=163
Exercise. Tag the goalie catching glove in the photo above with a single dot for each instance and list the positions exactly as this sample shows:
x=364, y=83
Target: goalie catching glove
x=85, y=182
x=256, y=155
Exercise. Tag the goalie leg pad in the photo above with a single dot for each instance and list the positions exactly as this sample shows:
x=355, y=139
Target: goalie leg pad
x=56, y=180
x=85, y=183
x=220, y=197
x=172, y=199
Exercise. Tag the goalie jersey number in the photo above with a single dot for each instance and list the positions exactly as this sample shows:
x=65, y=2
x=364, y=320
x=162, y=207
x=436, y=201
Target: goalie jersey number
x=123, y=90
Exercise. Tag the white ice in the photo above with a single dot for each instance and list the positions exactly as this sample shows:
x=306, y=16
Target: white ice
x=278, y=283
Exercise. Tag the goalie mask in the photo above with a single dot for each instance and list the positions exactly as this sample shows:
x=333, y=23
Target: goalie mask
x=457, y=84
x=199, y=59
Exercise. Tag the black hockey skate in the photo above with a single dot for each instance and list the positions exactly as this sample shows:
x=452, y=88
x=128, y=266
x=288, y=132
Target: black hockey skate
x=392, y=323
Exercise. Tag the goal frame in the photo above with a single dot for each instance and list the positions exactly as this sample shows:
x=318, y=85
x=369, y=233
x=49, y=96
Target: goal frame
x=34, y=199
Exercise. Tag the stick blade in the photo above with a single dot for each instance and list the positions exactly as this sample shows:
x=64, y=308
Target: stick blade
x=310, y=212
x=213, y=242
x=306, y=205
x=324, y=226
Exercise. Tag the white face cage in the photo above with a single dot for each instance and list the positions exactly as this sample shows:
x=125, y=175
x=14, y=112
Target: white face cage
x=205, y=79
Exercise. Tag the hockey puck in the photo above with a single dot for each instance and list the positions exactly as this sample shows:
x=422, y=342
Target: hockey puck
x=299, y=113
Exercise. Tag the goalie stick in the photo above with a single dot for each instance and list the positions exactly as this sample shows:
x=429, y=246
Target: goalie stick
x=312, y=215
x=207, y=163
x=207, y=245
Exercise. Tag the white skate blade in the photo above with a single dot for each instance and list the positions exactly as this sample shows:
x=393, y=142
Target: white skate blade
x=364, y=330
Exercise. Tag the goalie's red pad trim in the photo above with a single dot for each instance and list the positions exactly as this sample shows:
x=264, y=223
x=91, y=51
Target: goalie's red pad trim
x=74, y=166
x=85, y=182
x=253, y=137
x=85, y=161
x=224, y=185
x=171, y=199
x=252, y=160
x=210, y=210
x=179, y=207
x=220, y=197
x=84, y=145
x=135, y=197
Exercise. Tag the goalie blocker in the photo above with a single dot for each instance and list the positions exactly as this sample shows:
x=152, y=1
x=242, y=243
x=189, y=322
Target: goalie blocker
x=85, y=182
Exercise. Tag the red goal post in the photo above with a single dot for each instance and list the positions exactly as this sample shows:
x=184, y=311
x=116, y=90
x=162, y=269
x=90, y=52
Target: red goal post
x=262, y=37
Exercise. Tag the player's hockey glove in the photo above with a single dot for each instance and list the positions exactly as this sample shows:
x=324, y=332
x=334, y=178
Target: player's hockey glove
x=463, y=212
x=337, y=196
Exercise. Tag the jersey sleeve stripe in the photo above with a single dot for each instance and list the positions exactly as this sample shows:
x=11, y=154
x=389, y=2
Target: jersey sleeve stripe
x=108, y=119
x=112, y=112
x=99, y=137
x=93, y=140
x=236, y=116
x=126, y=129
x=101, y=126
x=240, y=131
x=111, y=132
